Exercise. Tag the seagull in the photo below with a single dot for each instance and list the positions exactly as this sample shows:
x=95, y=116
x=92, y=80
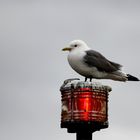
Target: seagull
x=92, y=64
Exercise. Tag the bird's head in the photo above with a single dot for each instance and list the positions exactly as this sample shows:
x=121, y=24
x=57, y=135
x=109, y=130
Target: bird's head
x=76, y=44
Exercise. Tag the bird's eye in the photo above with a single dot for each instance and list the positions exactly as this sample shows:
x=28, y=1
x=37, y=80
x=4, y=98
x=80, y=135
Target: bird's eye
x=75, y=45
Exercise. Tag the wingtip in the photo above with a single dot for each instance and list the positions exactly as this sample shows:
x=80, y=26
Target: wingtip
x=132, y=78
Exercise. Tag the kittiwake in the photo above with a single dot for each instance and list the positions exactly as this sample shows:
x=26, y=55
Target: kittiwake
x=92, y=64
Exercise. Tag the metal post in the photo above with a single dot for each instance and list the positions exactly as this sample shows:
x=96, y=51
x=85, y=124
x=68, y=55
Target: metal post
x=84, y=136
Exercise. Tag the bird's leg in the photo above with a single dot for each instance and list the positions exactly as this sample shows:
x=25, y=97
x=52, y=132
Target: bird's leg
x=91, y=79
x=85, y=79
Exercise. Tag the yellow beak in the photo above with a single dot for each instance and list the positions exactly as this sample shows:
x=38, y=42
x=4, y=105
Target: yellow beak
x=66, y=49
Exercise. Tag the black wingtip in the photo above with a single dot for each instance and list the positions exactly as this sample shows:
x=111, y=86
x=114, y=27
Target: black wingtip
x=132, y=78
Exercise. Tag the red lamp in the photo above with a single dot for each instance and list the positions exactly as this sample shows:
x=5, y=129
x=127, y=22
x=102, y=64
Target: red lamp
x=84, y=107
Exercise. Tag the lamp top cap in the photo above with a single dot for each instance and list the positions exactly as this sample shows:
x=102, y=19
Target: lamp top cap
x=75, y=83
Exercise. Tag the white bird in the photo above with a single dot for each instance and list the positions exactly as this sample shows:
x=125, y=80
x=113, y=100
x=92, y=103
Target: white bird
x=92, y=64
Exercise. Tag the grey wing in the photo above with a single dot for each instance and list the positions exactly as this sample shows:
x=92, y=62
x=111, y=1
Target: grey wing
x=95, y=59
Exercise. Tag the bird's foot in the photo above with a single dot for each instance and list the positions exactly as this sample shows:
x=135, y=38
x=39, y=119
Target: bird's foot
x=90, y=79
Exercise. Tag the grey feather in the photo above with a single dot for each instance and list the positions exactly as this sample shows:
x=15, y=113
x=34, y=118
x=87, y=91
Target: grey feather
x=95, y=59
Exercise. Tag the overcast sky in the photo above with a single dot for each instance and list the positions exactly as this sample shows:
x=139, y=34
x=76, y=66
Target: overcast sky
x=33, y=67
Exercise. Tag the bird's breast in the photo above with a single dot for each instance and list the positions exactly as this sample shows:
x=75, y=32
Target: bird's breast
x=77, y=63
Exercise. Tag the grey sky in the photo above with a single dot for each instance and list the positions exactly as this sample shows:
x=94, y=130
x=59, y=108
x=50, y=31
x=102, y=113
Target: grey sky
x=32, y=34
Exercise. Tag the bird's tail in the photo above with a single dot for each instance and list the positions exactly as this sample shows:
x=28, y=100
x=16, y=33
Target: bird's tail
x=132, y=78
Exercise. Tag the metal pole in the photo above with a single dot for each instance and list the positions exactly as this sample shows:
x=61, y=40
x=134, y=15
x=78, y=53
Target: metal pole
x=83, y=135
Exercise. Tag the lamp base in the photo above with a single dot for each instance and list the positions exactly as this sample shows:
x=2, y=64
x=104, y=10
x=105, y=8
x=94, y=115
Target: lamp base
x=82, y=126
